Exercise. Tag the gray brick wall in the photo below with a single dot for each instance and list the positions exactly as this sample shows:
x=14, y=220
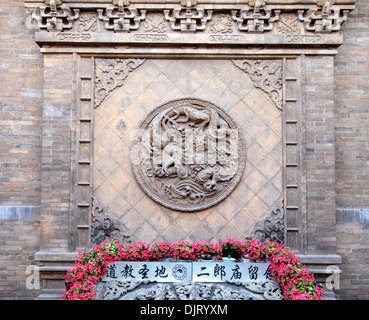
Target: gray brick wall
x=21, y=67
x=352, y=154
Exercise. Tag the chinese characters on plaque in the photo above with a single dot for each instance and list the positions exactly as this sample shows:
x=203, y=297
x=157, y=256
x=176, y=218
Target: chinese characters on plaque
x=179, y=271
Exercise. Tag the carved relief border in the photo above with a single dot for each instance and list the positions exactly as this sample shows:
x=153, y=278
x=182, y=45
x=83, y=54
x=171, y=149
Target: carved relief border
x=84, y=152
x=293, y=144
x=293, y=175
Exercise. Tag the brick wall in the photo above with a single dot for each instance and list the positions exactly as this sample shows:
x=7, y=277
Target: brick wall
x=56, y=151
x=20, y=108
x=353, y=246
x=352, y=153
x=320, y=180
x=19, y=240
x=352, y=102
x=21, y=67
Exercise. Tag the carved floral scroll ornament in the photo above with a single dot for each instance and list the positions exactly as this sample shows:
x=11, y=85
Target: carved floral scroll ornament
x=266, y=76
x=271, y=228
x=104, y=227
x=188, y=154
x=111, y=73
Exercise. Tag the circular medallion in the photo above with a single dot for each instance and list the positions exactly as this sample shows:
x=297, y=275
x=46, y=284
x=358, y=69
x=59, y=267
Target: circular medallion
x=188, y=154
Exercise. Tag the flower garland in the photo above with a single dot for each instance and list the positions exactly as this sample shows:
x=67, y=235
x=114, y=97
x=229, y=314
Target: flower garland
x=294, y=278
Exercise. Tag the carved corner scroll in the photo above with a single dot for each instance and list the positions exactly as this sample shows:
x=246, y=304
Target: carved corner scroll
x=266, y=75
x=104, y=227
x=271, y=228
x=111, y=73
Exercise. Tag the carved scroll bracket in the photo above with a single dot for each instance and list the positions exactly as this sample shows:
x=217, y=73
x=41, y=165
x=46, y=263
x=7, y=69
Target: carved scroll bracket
x=121, y=19
x=111, y=73
x=325, y=20
x=266, y=76
x=271, y=228
x=188, y=19
x=255, y=20
x=54, y=16
x=104, y=227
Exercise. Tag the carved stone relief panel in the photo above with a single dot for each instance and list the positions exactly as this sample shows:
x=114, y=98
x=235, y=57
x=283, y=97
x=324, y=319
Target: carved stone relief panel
x=188, y=154
x=148, y=290
x=156, y=81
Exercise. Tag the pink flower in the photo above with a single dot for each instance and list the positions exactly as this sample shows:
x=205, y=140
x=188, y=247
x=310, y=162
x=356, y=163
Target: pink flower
x=295, y=279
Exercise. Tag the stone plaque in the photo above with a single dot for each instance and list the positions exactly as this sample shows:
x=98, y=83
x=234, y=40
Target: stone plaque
x=188, y=154
x=153, y=271
x=245, y=272
x=183, y=271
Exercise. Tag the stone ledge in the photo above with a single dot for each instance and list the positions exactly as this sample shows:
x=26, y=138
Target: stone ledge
x=50, y=294
x=56, y=256
x=326, y=259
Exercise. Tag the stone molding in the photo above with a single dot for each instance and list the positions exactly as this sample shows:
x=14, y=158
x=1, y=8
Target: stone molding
x=67, y=21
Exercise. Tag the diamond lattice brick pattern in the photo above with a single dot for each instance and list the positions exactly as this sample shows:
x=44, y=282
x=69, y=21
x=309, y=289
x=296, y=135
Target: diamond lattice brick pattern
x=154, y=82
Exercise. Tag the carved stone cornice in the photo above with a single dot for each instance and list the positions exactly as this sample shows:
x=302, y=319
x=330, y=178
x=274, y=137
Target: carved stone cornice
x=253, y=16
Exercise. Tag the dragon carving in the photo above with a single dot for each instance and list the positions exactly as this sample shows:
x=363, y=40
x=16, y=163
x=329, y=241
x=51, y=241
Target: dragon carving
x=189, y=153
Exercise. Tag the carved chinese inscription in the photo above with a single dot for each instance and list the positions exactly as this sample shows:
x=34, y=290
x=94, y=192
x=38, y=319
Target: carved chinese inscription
x=188, y=154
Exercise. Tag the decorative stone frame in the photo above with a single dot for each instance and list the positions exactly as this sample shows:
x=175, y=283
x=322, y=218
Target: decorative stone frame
x=293, y=144
x=70, y=52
